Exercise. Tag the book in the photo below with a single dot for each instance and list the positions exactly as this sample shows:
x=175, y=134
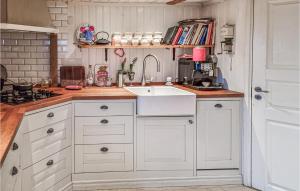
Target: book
x=177, y=36
x=188, y=35
x=200, y=35
x=209, y=33
x=170, y=35
x=203, y=38
x=197, y=32
x=184, y=33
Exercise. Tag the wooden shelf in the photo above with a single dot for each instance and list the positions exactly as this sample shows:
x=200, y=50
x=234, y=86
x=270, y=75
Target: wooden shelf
x=173, y=47
x=143, y=46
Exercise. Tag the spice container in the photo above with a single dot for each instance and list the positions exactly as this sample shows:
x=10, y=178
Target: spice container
x=116, y=39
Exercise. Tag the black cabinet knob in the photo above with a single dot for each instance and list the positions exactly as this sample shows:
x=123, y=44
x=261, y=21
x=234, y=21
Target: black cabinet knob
x=14, y=171
x=15, y=146
x=51, y=114
x=50, y=131
x=104, y=149
x=104, y=107
x=50, y=163
x=218, y=105
x=104, y=121
x=191, y=121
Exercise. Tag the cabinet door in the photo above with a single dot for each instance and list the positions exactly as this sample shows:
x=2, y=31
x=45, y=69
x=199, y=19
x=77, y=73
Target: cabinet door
x=165, y=143
x=11, y=169
x=218, y=134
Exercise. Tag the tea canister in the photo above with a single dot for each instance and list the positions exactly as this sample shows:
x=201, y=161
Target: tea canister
x=116, y=38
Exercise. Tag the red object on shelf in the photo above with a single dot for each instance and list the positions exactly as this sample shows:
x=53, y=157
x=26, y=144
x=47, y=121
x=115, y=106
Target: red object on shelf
x=73, y=87
x=199, y=54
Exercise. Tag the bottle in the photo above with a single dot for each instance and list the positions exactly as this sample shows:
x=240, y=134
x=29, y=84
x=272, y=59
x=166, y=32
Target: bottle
x=90, y=76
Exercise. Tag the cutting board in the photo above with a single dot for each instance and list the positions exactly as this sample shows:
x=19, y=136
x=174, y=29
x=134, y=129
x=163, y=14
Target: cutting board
x=72, y=75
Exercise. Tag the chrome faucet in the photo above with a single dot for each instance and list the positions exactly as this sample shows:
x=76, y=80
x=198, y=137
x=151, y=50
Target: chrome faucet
x=144, y=67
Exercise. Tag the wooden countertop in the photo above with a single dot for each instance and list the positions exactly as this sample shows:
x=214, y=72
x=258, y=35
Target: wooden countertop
x=11, y=116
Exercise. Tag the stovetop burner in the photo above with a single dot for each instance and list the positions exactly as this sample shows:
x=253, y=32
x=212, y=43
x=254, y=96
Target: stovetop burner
x=13, y=97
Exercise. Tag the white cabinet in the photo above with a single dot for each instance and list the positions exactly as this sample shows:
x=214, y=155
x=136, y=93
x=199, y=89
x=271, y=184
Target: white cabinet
x=48, y=172
x=218, y=134
x=104, y=158
x=11, y=170
x=165, y=143
x=108, y=129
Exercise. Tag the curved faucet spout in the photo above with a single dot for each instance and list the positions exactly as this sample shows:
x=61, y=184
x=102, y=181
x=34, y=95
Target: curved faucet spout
x=144, y=67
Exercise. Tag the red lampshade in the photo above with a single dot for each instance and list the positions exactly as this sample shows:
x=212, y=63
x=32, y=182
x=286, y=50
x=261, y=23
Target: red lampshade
x=199, y=54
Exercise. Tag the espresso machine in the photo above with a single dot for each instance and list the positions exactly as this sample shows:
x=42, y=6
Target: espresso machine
x=201, y=76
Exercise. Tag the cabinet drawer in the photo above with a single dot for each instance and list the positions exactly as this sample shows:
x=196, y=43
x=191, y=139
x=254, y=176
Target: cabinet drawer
x=96, y=130
x=103, y=158
x=48, y=117
x=45, y=141
x=103, y=108
x=48, y=172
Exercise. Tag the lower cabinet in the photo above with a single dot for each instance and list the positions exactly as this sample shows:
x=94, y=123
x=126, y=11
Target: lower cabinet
x=165, y=143
x=218, y=135
x=48, y=172
x=103, y=158
x=11, y=171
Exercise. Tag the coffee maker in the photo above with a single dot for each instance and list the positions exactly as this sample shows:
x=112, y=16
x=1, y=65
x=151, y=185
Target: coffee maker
x=202, y=75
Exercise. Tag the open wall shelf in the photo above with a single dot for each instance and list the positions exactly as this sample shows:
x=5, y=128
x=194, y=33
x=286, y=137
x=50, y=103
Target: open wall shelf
x=173, y=47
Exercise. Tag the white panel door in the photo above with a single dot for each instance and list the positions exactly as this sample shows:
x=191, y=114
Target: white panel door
x=218, y=137
x=276, y=64
x=165, y=143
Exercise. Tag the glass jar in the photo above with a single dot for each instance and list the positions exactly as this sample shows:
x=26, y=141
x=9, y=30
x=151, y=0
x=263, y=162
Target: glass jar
x=157, y=35
x=116, y=39
x=129, y=36
x=124, y=40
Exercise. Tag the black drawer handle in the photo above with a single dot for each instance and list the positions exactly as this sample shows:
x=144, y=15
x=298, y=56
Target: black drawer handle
x=104, y=121
x=191, y=121
x=51, y=114
x=50, y=131
x=15, y=146
x=104, y=107
x=14, y=171
x=50, y=163
x=104, y=149
x=218, y=105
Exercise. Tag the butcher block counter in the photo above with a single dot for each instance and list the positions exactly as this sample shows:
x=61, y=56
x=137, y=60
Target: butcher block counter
x=11, y=116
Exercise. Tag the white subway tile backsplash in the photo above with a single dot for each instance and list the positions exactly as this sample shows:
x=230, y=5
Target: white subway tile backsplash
x=42, y=36
x=24, y=67
x=5, y=48
x=5, y=61
x=54, y=10
x=43, y=74
x=37, y=42
x=17, y=35
x=10, y=55
x=37, y=67
x=51, y=3
x=24, y=54
x=61, y=4
x=24, y=42
x=12, y=67
x=9, y=42
x=29, y=36
x=17, y=48
x=30, y=61
x=42, y=61
x=17, y=74
x=42, y=49
x=17, y=61
x=61, y=17
x=5, y=35
x=62, y=42
x=30, y=49
x=32, y=74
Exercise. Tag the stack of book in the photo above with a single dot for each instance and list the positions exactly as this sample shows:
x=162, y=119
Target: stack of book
x=191, y=32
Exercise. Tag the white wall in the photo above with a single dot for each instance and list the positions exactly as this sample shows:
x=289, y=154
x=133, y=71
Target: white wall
x=117, y=17
x=237, y=69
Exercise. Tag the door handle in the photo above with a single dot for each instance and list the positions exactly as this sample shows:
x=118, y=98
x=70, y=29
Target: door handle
x=258, y=89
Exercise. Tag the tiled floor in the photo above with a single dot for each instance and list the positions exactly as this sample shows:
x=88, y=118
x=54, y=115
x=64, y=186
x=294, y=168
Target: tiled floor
x=193, y=188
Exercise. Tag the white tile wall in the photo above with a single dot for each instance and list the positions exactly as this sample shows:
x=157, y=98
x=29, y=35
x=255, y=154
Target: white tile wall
x=26, y=55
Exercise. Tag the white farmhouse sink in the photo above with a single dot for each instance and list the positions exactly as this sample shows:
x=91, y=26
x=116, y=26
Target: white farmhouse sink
x=164, y=101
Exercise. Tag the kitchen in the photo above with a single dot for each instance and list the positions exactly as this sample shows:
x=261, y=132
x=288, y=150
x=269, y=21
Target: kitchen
x=118, y=105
